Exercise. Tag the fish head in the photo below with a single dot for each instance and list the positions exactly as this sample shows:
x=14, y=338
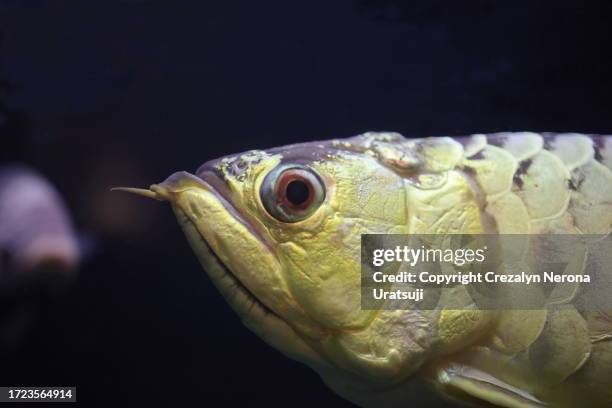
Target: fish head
x=279, y=232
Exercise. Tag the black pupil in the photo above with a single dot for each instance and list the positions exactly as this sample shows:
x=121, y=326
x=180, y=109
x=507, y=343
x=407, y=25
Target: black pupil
x=297, y=192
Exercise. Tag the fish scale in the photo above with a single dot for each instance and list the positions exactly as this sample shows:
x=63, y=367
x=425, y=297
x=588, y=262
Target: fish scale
x=532, y=184
x=557, y=182
x=548, y=174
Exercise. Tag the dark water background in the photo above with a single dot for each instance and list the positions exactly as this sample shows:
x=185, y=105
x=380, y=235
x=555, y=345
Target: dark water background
x=103, y=93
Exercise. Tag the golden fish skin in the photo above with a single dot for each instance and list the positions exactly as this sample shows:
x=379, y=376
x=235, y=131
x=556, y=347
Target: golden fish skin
x=289, y=265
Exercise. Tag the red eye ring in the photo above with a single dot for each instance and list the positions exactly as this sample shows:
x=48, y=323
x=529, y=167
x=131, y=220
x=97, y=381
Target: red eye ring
x=294, y=189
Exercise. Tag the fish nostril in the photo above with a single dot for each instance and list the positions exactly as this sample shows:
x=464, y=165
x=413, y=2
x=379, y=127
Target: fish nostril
x=237, y=168
x=240, y=164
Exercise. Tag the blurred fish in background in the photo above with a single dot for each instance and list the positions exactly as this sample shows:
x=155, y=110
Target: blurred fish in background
x=39, y=251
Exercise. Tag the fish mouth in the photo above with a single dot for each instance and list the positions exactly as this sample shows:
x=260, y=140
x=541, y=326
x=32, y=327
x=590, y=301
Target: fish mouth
x=230, y=285
x=204, y=210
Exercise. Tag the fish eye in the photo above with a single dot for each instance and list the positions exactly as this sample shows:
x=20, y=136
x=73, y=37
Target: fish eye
x=292, y=192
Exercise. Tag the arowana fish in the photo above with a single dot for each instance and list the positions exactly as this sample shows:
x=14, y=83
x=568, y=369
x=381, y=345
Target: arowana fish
x=278, y=231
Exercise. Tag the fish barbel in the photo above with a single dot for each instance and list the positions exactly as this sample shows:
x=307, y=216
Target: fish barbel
x=278, y=231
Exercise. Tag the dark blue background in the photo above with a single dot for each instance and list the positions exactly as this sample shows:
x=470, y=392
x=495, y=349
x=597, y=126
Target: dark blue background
x=97, y=94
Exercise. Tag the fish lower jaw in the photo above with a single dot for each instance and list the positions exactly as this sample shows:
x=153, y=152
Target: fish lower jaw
x=259, y=318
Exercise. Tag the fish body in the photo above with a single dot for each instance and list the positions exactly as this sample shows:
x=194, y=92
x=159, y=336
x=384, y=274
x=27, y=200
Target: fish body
x=278, y=231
